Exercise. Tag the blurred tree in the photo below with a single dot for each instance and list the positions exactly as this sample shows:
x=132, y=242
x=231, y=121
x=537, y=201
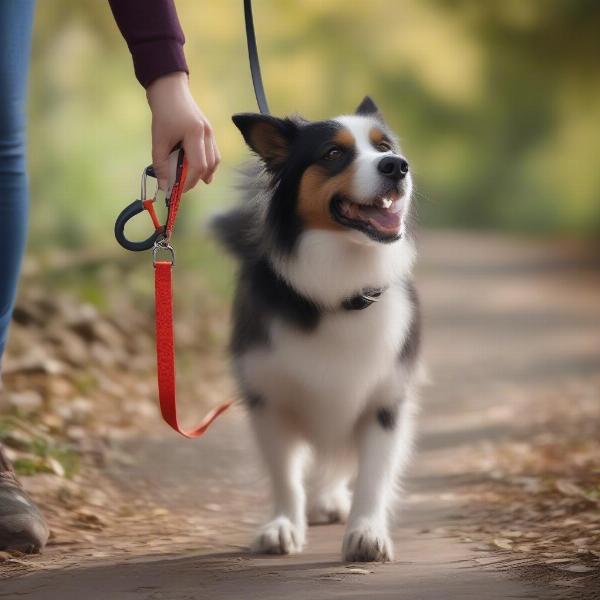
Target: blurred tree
x=497, y=104
x=530, y=162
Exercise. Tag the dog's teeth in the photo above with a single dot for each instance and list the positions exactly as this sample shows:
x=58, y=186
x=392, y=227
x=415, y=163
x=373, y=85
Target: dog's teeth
x=383, y=202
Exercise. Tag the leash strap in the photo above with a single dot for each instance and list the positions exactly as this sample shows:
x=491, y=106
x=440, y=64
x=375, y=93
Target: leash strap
x=165, y=355
x=259, y=90
x=163, y=303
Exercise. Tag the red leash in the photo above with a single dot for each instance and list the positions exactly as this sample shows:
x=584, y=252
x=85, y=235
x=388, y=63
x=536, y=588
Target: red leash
x=159, y=241
x=163, y=296
x=165, y=354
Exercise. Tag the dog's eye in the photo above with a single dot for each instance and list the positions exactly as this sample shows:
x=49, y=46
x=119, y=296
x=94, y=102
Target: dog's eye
x=333, y=153
x=384, y=147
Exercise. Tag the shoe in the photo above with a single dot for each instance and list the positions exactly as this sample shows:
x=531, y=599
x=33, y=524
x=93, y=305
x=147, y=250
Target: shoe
x=22, y=526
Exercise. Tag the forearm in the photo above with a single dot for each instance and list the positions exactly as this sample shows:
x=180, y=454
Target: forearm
x=154, y=37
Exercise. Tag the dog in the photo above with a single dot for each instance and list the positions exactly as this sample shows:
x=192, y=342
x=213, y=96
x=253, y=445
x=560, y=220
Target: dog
x=326, y=322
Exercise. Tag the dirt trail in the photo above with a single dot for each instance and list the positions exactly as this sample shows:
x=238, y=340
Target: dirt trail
x=496, y=311
x=190, y=479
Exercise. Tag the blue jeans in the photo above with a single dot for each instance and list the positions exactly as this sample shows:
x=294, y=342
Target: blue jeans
x=16, y=19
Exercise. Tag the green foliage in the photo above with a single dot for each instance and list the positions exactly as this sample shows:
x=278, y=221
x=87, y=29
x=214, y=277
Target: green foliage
x=32, y=465
x=36, y=452
x=497, y=105
x=29, y=466
x=65, y=455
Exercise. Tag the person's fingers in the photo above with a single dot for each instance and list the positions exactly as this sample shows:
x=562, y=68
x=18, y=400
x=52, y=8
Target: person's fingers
x=160, y=162
x=210, y=159
x=216, y=155
x=195, y=151
x=213, y=156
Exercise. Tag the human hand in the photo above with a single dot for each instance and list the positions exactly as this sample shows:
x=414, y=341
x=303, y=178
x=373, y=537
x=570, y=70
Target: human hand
x=177, y=118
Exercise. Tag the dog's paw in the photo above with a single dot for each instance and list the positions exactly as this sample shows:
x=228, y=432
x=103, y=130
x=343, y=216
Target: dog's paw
x=332, y=507
x=367, y=544
x=279, y=536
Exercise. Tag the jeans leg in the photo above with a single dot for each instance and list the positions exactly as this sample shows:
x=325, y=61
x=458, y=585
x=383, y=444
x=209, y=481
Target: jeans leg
x=16, y=19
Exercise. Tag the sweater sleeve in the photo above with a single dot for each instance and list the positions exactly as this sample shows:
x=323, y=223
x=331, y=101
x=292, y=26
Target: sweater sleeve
x=154, y=37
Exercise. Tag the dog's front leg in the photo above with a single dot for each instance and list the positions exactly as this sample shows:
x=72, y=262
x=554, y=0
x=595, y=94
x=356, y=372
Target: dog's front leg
x=284, y=457
x=384, y=442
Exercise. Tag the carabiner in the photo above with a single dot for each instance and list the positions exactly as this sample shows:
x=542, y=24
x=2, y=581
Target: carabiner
x=178, y=171
x=135, y=208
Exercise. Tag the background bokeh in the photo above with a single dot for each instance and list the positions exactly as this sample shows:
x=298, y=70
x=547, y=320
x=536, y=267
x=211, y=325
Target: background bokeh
x=497, y=105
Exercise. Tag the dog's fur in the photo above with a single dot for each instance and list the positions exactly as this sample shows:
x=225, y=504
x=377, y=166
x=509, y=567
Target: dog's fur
x=330, y=391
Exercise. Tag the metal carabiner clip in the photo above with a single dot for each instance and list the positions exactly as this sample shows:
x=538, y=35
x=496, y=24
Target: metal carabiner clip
x=176, y=160
x=162, y=245
x=135, y=208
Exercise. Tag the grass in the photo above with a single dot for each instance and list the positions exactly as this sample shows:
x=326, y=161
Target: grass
x=36, y=453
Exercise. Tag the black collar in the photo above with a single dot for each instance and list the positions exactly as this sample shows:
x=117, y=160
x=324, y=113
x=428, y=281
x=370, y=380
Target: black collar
x=363, y=299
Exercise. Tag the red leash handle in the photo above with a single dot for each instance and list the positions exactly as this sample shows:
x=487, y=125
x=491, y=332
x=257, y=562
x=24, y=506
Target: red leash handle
x=181, y=169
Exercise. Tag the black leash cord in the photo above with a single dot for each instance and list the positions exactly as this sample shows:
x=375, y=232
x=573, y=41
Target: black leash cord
x=259, y=90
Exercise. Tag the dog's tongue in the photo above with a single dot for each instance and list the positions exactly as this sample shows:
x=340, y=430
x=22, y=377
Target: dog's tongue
x=382, y=218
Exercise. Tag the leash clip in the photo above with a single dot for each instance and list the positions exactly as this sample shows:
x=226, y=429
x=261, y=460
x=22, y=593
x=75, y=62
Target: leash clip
x=171, y=198
x=163, y=245
x=135, y=208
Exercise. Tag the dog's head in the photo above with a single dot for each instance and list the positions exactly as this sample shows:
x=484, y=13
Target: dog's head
x=346, y=175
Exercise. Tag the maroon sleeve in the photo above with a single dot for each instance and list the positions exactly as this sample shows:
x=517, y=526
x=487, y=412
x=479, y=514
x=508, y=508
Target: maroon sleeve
x=154, y=36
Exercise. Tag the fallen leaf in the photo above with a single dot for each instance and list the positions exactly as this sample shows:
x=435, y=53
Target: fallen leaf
x=55, y=466
x=357, y=571
x=568, y=488
x=503, y=543
x=85, y=515
x=555, y=561
x=578, y=569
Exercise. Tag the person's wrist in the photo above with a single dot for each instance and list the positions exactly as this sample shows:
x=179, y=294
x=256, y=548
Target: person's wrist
x=169, y=83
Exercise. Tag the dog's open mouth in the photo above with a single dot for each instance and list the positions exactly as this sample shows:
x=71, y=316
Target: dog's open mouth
x=380, y=220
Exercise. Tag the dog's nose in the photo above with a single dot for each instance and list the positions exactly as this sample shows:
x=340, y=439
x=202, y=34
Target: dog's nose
x=393, y=167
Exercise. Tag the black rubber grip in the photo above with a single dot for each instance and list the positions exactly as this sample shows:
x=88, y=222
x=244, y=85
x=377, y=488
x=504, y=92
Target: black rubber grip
x=135, y=208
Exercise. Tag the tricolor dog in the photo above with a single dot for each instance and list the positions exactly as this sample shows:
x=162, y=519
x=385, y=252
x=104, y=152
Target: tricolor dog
x=326, y=322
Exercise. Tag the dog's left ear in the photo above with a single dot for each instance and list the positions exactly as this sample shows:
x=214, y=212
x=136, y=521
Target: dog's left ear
x=268, y=136
x=368, y=108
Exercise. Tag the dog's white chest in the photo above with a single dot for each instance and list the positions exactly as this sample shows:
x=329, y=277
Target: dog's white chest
x=328, y=375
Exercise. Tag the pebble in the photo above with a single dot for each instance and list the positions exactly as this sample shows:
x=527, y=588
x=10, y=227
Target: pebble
x=26, y=403
x=81, y=409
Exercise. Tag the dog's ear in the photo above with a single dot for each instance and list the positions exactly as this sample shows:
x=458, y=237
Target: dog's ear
x=268, y=136
x=368, y=108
